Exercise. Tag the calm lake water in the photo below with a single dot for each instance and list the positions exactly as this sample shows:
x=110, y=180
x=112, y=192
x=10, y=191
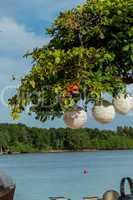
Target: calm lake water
x=39, y=176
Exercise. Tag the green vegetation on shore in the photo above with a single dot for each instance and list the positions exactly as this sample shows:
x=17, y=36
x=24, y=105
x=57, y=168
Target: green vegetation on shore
x=22, y=139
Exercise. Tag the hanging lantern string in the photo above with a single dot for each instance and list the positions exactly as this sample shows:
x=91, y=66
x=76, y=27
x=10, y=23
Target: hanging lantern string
x=81, y=102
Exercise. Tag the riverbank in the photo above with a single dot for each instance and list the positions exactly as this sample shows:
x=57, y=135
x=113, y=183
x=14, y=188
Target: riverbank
x=50, y=151
x=65, y=151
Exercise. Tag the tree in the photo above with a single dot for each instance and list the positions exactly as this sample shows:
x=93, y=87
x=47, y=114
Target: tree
x=91, y=46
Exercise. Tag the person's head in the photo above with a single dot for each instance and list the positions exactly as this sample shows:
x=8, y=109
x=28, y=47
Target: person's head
x=111, y=195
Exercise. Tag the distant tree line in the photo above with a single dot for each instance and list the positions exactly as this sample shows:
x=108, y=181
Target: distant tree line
x=22, y=139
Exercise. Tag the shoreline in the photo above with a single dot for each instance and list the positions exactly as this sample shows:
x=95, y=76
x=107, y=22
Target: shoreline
x=49, y=151
x=64, y=151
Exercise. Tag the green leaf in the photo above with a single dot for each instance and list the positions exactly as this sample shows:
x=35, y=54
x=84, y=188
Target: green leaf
x=57, y=60
x=126, y=47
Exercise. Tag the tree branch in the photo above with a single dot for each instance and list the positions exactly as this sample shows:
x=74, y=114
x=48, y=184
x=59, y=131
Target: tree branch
x=128, y=79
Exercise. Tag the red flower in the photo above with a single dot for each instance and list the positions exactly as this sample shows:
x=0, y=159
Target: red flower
x=73, y=89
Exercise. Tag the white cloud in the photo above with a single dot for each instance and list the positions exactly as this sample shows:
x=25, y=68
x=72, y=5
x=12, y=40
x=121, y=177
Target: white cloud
x=15, y=39
x=17, y=66
x=9, y=67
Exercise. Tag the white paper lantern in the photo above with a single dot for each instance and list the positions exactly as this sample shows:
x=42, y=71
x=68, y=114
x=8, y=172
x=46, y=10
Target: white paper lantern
x=132, y=103
x=123, y=103
x=103, y=112
x=75, y=119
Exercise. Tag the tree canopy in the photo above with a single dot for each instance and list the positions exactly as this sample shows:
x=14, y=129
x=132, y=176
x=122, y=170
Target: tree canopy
x=91, y=46
x=22, y=139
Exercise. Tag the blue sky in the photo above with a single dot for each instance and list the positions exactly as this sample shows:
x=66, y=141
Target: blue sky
x=22, y=27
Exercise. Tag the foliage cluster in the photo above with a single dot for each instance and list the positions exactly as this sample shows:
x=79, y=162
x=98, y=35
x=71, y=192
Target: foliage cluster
x=92, y=46
x=20, y=138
